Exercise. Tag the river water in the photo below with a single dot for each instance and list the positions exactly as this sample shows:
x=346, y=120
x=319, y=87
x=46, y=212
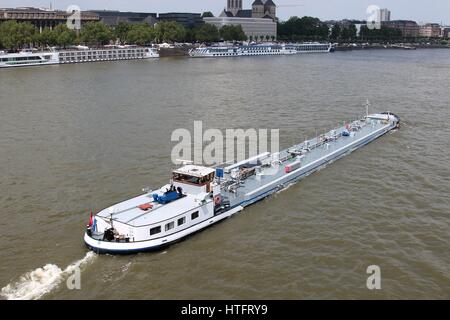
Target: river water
x=77, y=138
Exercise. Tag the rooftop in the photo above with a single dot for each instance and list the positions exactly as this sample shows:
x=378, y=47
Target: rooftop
x=193, y=170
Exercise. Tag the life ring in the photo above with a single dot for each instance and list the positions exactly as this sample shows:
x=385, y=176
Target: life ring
x=217, y=199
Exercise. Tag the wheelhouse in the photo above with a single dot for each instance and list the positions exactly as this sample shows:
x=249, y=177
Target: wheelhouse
x=194, y=179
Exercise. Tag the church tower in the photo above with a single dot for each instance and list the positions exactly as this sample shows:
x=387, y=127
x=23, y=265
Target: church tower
x=258, y=9
x=270, y=9
x=234, y=6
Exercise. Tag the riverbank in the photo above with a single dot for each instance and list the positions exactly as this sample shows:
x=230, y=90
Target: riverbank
x=403, y=46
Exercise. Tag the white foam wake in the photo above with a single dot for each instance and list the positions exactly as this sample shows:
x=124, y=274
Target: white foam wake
x=34, y=284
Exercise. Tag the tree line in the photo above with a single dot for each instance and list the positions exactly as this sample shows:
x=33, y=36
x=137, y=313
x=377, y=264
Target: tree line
x=313, y=29
x=15, y=35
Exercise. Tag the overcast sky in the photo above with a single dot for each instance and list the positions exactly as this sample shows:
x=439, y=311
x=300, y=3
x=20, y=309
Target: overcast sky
x=418, y=10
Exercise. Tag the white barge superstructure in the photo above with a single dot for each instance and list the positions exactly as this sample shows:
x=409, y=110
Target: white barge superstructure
x=269, y=49
x=197, y=197
x=31, y=57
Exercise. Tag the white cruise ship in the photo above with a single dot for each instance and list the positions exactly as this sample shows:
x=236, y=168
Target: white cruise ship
x=30, y=57
x=260, y=49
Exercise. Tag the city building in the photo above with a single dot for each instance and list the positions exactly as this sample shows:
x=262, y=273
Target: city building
x=260, y=9
x=112, y=18
x=254, y=28
x=430, y=30
x=188, y=20
x=445, y=32
x=409, y=29
x=385, y=15
x=44, y=18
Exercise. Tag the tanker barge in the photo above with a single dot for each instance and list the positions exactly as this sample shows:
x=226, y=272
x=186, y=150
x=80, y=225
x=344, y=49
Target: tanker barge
x=197, y=197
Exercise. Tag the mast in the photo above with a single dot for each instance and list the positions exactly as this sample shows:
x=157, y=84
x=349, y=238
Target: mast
x=367, y=107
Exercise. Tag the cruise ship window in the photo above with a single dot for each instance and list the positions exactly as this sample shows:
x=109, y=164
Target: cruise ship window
x=194, y=215
x=181, y=221
x=155, y=230
x=170, y=225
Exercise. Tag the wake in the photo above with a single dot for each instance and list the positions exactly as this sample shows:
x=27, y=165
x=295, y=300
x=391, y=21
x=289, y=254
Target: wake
x=35, y=284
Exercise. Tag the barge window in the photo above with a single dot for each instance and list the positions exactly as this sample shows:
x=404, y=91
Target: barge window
x=155, y=230
x=194, y=215
x=181, y=221
x=170, y=225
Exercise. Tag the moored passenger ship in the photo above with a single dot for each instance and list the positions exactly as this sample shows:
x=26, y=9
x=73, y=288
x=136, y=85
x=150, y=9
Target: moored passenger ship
x=30, y=57
x=197, y=197
x=107, y=54
x=260, y=49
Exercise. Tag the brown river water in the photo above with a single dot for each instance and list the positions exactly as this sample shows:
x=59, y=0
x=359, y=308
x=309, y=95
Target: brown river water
x=77, y=138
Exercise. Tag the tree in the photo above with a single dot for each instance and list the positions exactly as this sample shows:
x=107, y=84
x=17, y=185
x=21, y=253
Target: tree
x=15, y=35
x=169, y=31
x=232, y=33
x=348, y=33
x=226, y=33
x=239, y=33
x=267, y=38
x=64, y=36
x=335, y=32
x=140, y=34
x=300, y=29
x=190, y=34
x=46, y=38
x=207, y=14
x=96, y=33
x=207, y=33
x=121, y=31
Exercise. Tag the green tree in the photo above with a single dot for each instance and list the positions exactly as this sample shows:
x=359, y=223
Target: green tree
x=190, y=34
x=207, y=33
x=169, y=31
x=301, y=29
x=233, y=33
x=46, y=38
x=15, y=35
x=207, y=14
x=141, y=34
x=64, y=36
x=348, y=33
x=121, y=31
x=96, y=33
x=335, y=32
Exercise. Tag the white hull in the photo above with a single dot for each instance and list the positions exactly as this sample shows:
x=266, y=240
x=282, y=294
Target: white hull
x=150, y=245
x=30, y=59
x=259, y=50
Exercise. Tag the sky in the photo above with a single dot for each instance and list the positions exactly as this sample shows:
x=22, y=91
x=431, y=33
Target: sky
x=421, y=11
